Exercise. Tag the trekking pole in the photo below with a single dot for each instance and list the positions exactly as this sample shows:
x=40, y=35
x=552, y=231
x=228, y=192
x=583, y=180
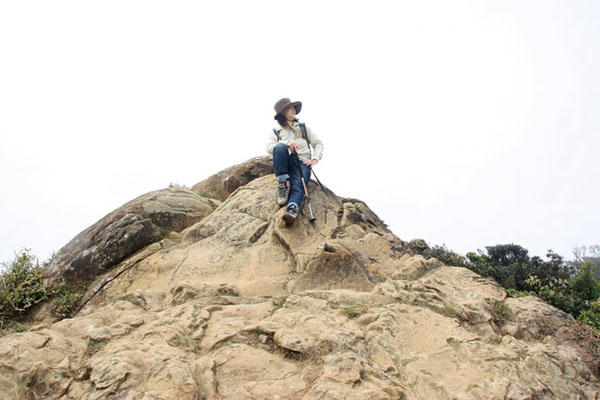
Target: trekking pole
x=305, y=137
x=317, y=178
x=312, y=216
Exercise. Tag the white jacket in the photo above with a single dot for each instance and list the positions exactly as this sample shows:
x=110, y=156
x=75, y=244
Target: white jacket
x=295, y=135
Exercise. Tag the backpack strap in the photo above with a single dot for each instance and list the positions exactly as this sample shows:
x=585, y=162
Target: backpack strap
x=304, y=134
x=276, y=132
x=305, y=137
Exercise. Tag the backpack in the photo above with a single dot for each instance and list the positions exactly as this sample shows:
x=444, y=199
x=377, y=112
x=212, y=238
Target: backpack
x=304, y=136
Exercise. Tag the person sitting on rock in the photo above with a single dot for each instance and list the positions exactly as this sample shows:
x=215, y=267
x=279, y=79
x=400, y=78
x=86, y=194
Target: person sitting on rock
x=288, y=138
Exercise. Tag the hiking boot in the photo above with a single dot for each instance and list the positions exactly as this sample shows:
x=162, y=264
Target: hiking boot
x=283, y=192
x=290, y=214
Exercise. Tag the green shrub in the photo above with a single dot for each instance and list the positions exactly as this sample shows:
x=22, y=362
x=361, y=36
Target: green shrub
x=501, y=311
x=11, y=327
x=519, y=293
x=354, y=310
x=573, y=296
x=21, y=288
x=448, y=256
x=67, y=301
x=591, y=316
x=585, y=284
x=557, y=292
x=510, y=265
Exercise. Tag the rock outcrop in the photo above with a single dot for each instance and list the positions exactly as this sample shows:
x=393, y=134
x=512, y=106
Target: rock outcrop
x=126, y=230
x=239, y=306
x=222, y=184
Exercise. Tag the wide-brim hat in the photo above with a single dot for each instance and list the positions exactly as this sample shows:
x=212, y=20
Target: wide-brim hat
x=284, y=104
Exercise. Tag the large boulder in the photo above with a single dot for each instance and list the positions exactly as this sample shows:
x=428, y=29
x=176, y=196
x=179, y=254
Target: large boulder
x=127, y=230
x=240, y=306
x=244, y=243
x=222, y=184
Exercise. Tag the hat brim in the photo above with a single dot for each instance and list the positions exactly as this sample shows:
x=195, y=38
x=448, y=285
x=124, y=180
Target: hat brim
x=297, y=105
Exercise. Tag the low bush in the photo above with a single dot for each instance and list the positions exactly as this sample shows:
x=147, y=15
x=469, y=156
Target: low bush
x=591, y=316
x=519, y=293
x=67, y=300
x=448, y=256
x=21, y=287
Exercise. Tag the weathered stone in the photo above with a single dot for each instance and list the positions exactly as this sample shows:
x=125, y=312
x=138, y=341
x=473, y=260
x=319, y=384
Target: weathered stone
x=334, y=267
x=125, y=231
x=221, y=185
x=243, y=307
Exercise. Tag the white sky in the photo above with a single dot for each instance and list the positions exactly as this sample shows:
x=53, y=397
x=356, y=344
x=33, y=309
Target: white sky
x=469, y=123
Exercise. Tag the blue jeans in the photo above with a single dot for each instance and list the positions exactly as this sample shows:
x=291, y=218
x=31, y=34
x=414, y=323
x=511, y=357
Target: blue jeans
x=285, y=167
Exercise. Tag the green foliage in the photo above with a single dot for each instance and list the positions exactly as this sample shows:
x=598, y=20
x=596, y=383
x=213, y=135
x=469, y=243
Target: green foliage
x=11, y=327
x=557, y=292
x=590, y=318
x=354, y=310
x=21, y=288
x=67, y=301
x=592, y=315
x=519, y=293
x=191, y=345
x=501, y=311
x=447, y=311
x=94, y=346
x=162, y=234
x=574, y=296
x=585, y=284
x=448, y=256
x=506, y=263
x=510, y=265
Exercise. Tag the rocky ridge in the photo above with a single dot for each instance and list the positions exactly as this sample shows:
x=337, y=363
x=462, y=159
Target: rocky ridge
x=231, y=304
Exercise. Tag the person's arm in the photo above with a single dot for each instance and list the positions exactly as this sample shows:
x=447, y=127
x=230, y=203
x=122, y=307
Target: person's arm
x=316, y=144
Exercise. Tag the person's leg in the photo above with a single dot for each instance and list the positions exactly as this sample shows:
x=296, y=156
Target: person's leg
x=281, y=162
x=296, y=190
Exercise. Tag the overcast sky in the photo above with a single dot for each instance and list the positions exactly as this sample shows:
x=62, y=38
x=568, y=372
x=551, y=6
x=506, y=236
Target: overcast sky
x=469, y=123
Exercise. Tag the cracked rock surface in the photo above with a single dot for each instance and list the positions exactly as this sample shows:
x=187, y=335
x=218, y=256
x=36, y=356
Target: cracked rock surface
x=239, y=306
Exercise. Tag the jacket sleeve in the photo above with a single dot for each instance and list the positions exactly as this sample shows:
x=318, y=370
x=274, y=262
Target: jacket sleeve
x=316, y=144
x=272, y=142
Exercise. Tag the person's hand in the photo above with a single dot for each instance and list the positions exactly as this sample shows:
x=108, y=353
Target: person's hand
x=310, y=163
x=292, y=146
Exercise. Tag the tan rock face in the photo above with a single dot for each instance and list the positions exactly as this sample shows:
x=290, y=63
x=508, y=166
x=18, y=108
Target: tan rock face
x=221, y=185
x=240, y=307
x=126, y=230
